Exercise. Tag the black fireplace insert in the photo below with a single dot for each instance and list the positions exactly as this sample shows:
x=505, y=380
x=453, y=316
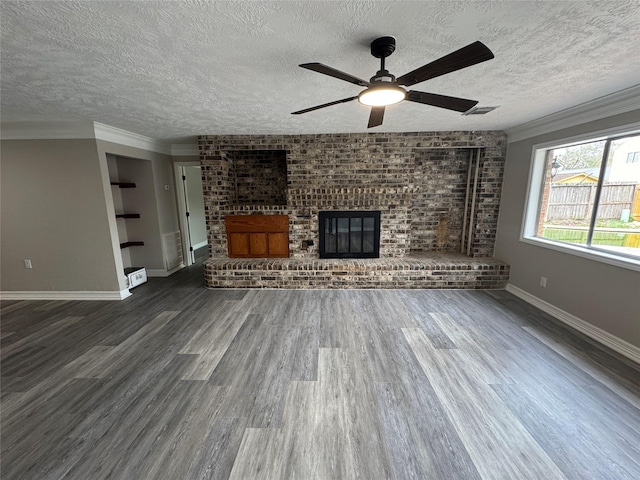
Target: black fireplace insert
x=349, y=234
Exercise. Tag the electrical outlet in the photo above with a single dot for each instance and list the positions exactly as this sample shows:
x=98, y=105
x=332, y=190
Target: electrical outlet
x=543, y=282
x=27, y=264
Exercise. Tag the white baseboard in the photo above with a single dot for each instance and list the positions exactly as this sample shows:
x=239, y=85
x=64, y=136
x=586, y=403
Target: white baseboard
x=81, y=295
x=157, y=272
x=200, y=245
x=624, y=348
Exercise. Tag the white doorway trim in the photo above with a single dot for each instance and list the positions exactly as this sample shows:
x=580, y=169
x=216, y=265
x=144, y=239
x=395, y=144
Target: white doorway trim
x=182, y=209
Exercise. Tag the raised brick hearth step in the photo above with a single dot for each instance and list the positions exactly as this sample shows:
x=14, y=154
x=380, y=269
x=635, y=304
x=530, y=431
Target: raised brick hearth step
x=415, y=271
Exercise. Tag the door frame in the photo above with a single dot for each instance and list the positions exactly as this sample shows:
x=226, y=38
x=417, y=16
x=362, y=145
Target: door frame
x=182, y=209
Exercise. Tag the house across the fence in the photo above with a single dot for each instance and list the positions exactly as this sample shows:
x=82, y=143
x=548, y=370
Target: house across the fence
x=578, y=175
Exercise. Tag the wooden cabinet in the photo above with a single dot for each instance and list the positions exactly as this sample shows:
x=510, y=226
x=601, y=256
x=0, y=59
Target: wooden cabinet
x=257, y=236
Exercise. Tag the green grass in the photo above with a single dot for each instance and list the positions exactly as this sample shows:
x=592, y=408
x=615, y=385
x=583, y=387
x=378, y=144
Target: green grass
x=580, y=237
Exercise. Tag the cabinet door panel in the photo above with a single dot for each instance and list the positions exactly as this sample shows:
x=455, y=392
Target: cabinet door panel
x=238, y=245
x=258, y=244
x=279, y=244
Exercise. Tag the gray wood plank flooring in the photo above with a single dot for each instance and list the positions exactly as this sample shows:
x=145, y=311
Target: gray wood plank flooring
x=181, y=382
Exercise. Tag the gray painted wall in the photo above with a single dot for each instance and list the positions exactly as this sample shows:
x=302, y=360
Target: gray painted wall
x=53, y=211
x=603, y=295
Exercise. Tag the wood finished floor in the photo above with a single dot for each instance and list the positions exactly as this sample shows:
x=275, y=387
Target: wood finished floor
x=181, y=382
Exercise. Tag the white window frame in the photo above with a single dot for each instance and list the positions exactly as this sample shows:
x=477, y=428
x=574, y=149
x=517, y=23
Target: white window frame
x=535, y=187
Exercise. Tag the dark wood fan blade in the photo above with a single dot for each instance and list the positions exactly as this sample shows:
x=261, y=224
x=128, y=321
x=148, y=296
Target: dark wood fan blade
x=442, y=101
x=376, y=116
x=332, y=72
x=317, y=107
x=472, y=54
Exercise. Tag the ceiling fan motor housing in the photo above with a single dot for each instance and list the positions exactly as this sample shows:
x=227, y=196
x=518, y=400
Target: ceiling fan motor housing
x=383, y=76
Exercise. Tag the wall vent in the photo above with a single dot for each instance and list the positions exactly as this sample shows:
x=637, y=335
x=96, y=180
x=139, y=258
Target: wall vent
x=172, y=249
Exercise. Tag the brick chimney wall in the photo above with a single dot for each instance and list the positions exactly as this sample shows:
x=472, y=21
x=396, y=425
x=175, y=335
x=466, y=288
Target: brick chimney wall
x=417, y=180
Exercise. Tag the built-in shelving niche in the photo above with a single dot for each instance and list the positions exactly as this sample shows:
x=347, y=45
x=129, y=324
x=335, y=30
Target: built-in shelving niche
x=129, y=180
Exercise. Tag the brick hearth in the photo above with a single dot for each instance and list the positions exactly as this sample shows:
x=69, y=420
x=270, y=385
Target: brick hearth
x=415, y=271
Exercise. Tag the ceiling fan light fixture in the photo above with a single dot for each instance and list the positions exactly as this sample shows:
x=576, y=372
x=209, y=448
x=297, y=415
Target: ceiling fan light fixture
x=385, y=89
x=382, y=95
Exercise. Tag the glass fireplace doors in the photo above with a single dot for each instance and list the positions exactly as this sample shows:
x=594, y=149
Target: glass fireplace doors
x=350, y=234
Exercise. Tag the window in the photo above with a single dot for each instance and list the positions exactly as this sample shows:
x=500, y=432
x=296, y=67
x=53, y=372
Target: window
x=585, y=197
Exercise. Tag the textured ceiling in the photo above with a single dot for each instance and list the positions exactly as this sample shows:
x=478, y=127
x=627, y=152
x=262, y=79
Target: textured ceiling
x=172, y=69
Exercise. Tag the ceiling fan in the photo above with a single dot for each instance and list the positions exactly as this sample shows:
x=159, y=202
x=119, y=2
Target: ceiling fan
x=385, y=89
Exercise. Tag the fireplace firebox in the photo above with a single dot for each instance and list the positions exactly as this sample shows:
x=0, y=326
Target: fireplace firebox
x=349, y=234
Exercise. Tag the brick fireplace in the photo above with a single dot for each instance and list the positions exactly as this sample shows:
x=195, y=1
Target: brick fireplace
x=437, y=192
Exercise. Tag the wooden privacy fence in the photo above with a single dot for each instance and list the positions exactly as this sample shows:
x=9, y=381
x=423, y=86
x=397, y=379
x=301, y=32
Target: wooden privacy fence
x=575, y=202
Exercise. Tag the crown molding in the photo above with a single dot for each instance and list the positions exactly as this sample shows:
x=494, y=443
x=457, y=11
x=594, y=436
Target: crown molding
x=619, y=102
x=185, y=150
x=129, y=139
x=46, y=130
x=80, y=130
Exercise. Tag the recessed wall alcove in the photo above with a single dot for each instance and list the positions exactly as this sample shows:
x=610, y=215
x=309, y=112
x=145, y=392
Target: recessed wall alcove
x=437, y=192
x=259, y=176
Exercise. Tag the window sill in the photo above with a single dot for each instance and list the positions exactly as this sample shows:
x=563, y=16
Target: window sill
x=591, y=254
